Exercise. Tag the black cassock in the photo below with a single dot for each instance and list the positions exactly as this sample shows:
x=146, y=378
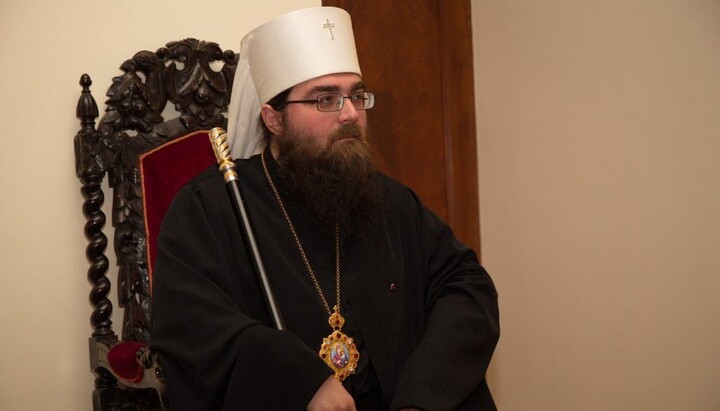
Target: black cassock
x=421, y=310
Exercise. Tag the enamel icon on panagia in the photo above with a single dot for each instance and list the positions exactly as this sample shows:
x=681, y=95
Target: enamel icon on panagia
x=340, y=354
x=338, y=350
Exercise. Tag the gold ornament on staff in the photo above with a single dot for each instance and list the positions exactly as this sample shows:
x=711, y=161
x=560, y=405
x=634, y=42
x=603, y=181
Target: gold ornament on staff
x=218, y=139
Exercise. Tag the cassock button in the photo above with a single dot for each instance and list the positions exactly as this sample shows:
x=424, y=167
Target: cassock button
x=393, y=286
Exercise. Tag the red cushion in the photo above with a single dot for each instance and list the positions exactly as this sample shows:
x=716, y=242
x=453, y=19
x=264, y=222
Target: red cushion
x=123, y=361
x=163, y=171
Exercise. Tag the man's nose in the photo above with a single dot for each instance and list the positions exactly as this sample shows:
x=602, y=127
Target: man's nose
x=348, y=112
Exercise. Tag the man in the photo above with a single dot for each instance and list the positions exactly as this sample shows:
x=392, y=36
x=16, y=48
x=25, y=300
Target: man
x=357, y=263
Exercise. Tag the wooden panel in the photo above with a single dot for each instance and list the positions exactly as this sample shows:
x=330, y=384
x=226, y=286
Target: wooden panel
x=417, y=57
x=459, y=121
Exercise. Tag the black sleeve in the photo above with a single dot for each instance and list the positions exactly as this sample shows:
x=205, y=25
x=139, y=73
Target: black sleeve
x=213, y=354
x=448, y=366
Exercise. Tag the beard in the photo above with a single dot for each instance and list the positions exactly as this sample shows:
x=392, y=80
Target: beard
x=335, y=182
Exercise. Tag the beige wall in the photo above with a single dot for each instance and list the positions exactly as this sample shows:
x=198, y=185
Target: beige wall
x=45, y=46
x=599, y=162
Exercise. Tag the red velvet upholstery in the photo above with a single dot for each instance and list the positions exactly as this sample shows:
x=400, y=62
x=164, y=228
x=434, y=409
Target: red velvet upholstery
x=163, y=172
x=123, y=361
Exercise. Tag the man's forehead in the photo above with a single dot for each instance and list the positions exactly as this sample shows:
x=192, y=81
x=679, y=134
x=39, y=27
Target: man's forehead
x=337, y=81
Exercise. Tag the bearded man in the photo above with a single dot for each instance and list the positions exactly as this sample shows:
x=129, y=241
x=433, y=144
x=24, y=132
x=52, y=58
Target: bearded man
x=357, y=263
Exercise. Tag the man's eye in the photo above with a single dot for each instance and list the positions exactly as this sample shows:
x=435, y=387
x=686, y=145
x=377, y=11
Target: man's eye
x=358, y=97
x=325, y=99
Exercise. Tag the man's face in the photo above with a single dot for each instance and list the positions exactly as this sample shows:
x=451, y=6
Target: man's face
x=318, y=126
x=325, y=160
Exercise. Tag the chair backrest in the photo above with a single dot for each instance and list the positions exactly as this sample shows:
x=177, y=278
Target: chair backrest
x=194, y=77
x=163, y=171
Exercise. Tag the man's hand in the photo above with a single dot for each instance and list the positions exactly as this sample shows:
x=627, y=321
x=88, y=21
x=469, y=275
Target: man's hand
x=331, y=396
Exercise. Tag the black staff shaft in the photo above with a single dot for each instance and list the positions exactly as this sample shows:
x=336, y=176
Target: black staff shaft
x=235, y=192
x=227, y=167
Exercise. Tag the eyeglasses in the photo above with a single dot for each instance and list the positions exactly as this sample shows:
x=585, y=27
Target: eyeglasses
x=334, y=101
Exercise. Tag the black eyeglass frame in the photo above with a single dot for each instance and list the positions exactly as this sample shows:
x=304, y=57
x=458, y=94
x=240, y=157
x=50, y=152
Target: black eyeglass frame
x=365, y=97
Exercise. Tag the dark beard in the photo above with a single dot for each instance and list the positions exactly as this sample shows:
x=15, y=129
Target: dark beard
x=335, y=183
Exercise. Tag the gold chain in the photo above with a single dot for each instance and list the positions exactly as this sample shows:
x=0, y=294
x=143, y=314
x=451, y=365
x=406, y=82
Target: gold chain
x=300, y=247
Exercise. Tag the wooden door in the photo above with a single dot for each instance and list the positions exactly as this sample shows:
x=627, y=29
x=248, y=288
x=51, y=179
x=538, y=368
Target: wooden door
x=416, y=56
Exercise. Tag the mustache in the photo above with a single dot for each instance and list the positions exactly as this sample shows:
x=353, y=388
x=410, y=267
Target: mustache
x=347, y=130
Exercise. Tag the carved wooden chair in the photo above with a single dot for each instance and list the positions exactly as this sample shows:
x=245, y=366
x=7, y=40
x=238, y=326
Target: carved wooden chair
x=146, y=158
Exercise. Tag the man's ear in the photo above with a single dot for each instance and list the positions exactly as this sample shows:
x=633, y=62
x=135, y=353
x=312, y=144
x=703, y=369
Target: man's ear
x=273, y=119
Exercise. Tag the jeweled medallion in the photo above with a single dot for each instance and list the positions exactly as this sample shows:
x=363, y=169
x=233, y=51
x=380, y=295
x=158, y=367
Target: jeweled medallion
x=338, y=350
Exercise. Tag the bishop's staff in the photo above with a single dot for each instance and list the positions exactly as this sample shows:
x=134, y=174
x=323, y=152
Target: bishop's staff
x=218, y=138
